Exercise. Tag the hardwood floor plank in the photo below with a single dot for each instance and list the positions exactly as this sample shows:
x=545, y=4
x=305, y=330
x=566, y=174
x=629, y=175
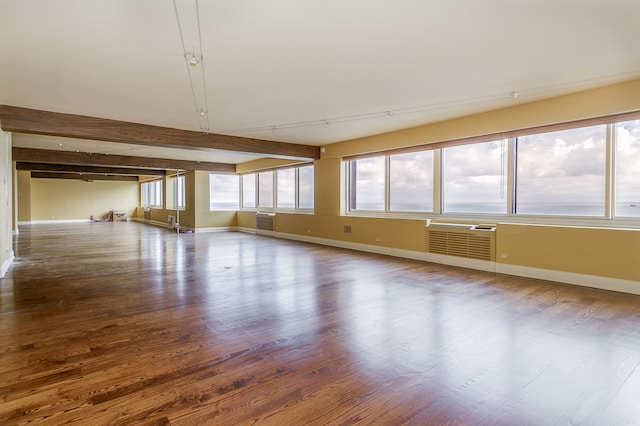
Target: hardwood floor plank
x=123, y=323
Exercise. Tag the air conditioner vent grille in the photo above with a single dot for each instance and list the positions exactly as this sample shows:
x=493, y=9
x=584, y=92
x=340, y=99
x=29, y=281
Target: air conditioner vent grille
x=469, y=244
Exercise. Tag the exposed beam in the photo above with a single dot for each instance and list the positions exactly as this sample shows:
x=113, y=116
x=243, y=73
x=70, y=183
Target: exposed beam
x=87, y=177
x=45, y=167
x=82, y=158
x=24, y=120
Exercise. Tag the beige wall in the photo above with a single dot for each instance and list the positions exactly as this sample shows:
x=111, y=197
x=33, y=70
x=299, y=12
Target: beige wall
x=6, y=203
x=611, y=253
x=67, y=199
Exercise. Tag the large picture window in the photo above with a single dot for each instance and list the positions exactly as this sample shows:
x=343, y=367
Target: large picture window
x=562, y=173
x=474, y=178
x=411, y=182
x=367, y=184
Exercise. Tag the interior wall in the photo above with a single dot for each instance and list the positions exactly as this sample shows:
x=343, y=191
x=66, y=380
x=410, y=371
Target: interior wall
x=6, y=203
x=611, y=253
x=24, y=196
x=70, y=199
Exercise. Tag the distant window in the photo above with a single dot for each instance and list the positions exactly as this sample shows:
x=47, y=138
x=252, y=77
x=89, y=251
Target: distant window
x=286, y=188
x=474, y=178
x=265, y=189
x=305, y=187
x=224, y=192
x=562, y=173
x=628, y=169
x=249, y=191
x=152, y=194
x=179, y=197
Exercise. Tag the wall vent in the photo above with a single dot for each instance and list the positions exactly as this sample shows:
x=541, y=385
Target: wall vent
x=147, y=214
x=265, y=223
x=470, y=241
x=171, y=221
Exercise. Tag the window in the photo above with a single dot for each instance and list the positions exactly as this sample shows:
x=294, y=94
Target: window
x=562, y=173
x=474, y=178
x=249, y=191
x=367, y=184
x=224, y=192
x=627, y=194
x=179, y=199
x=411, y=182
x=305, y=187
x=265, y=189
x=152, y=194
x=286, y=188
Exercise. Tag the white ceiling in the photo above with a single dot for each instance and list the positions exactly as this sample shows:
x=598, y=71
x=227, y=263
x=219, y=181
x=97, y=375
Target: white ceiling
x=312, y=72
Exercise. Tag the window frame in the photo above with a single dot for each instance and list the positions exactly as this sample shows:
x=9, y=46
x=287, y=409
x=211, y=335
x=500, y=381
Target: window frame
x=608, y=219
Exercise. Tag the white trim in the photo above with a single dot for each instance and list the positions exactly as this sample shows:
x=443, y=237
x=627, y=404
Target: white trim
x=389, y=251
x=15, y=232
x=216, y=229
x=584, y=280
x=246, y=230
x=52, y=221
x=7, y=263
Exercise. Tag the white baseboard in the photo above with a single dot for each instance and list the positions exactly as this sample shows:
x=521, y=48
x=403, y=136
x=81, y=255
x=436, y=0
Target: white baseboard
x=216, y=229
x=52, y=221
x=389, y=251
x=246, y=230
x=6, y=264
x=584, y=280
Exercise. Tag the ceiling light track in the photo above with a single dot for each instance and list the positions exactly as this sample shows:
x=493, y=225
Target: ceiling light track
x=194, y=60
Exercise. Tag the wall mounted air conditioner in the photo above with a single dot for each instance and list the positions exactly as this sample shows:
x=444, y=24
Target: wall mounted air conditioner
x=462, y=240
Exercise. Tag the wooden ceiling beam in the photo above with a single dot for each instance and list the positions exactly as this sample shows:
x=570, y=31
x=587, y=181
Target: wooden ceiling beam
x=83, y=158
x=85, y=177
x=24, y=120
x=46, y=167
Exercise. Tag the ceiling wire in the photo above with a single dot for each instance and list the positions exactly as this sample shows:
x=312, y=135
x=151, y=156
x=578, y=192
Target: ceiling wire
x=201, y=111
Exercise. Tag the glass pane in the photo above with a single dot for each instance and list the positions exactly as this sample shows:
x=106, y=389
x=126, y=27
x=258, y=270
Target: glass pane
x=411, y=182
x=224, y=192
x=248, y=191
x=367, y=184
x=562, y=173
x=305, y=187
x=287, y=188
x=265, y=189
x=628, y=169
x=474, y=178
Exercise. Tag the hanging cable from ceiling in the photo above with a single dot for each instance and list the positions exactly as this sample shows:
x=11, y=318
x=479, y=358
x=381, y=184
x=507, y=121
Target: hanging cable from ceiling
x=194, y=59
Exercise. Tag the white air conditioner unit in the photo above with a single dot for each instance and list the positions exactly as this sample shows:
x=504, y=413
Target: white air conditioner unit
x=462, y=240
x=265, y=223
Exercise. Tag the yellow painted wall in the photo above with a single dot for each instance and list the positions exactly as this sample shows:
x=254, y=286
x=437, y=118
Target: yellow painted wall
x=66, y=199
x=24, y=196
x=611, y=253
x=613, y=99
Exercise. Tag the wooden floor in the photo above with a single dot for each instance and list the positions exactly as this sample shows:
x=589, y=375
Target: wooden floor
x=122, y=323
